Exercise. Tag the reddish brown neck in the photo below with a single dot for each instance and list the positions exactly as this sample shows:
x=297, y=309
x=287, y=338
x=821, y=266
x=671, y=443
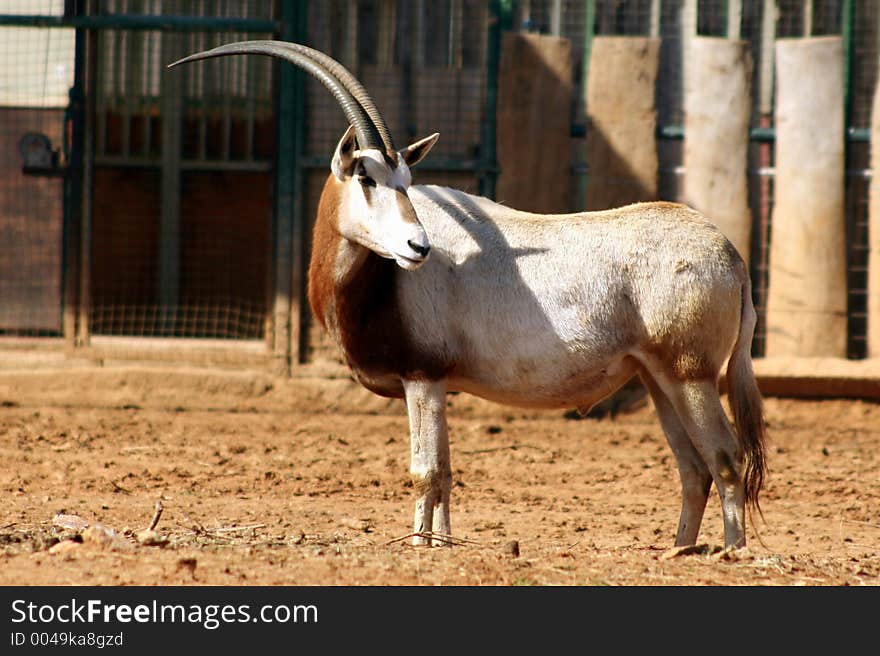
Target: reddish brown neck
x=325, y=245
x=361, y=306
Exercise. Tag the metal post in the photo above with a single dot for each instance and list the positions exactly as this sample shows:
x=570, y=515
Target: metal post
x=500, y=17
x=589, y=26
x=768, y=36
x=654, y=20
x=734, y=19
x=301, y=314
x=808, y=18
x=88, y=182
x=284, y=198
x=556, y=17
x=73, y=232
x=169, y=220
x=846, y=29
x=289, y=314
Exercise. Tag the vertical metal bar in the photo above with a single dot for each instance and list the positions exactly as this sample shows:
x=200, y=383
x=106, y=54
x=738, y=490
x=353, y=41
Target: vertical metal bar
x=250, y=72
x=128, y=90
x=846, y=29
x=286, y=303
x=206, y=89
x=350, y=43
x=226, y=139
x=654, y=20
x=107, y=39
x=418, y=57
x=227, y=77
x=73, y=235
x=386, y=33
x=169, y=221
x=589, y=26
x=88, y=185
x=299, y=341
x=734, y=19
x=808, y=17
x=768, y=37
x=149, y=98
x=453, y=45
x=556, y=17
x=500, y=12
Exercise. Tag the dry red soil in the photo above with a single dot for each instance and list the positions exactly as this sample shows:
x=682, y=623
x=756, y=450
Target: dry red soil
x=267, y=480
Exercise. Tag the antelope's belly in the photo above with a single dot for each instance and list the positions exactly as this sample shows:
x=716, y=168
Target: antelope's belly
x=542, y=384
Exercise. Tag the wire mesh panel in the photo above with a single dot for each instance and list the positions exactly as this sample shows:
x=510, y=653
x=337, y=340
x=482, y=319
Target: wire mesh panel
x=424, y=63
x=182, y=179
x=182, y=198
x=862, y=82
x=36, y=71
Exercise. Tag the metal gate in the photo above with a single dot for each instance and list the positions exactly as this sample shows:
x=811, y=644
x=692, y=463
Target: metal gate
x=157, y=186
x=170, y=208
x=140, y=207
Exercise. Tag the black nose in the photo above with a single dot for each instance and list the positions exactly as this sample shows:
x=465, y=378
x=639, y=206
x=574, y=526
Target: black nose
x=421, y=250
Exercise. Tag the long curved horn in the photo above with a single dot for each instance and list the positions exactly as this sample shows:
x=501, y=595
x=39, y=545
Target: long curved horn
x=368, y=133
x=349, y=81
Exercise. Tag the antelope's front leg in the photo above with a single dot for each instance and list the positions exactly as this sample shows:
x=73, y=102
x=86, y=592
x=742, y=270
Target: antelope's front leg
x=429, y=465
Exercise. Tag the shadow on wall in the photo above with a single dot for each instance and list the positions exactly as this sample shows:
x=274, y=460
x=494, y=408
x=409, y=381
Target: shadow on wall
x=534, y=123
x=621, y=149
x=621, y=146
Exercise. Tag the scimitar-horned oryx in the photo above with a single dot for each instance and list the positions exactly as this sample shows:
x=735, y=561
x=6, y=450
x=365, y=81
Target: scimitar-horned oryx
x=429, y=290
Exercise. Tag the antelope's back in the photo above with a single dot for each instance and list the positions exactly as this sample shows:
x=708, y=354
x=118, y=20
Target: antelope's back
x=524, y=292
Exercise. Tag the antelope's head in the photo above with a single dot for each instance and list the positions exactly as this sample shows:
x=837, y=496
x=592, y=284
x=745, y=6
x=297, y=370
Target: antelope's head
x=375, y=209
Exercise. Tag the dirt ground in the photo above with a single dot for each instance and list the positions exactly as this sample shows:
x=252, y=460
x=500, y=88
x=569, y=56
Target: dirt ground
x=304, y=481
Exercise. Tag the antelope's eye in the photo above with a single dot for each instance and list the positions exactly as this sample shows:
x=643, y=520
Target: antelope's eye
x=366, y=181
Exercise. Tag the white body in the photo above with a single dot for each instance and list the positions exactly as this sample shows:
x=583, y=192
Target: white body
x=551, y=311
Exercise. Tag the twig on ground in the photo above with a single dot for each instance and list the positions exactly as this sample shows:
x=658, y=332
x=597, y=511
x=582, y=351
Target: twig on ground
x=196, y=528
x=235, y=529
x=119, y=488
x=430, y=535
x=860, y=522
x=506, y=447
x=156, y=515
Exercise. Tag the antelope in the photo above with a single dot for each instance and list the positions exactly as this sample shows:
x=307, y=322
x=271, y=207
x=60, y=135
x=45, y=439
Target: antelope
x=430, y=290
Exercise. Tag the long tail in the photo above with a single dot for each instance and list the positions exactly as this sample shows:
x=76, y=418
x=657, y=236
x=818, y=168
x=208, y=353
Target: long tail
x=746, y=402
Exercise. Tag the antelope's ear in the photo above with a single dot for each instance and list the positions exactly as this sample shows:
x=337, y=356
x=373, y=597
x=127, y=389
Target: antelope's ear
x=415, y=152
x=344, y=157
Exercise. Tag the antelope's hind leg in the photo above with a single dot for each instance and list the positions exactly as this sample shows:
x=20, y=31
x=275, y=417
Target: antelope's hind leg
x=696, y=480
x=698, y=407
x=429, y=458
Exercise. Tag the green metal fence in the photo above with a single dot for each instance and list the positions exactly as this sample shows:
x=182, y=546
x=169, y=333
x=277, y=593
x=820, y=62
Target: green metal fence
x=178, y=205
x=180, y=201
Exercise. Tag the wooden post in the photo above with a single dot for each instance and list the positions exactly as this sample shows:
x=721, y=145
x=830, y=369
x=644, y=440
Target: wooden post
x=768, y=36
x=807, y=299
x=556, y=17
x=654, y=19
x=534, y=115
x=717, y=104
x=622, y=121
x=688, y=19
x=734, y=18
